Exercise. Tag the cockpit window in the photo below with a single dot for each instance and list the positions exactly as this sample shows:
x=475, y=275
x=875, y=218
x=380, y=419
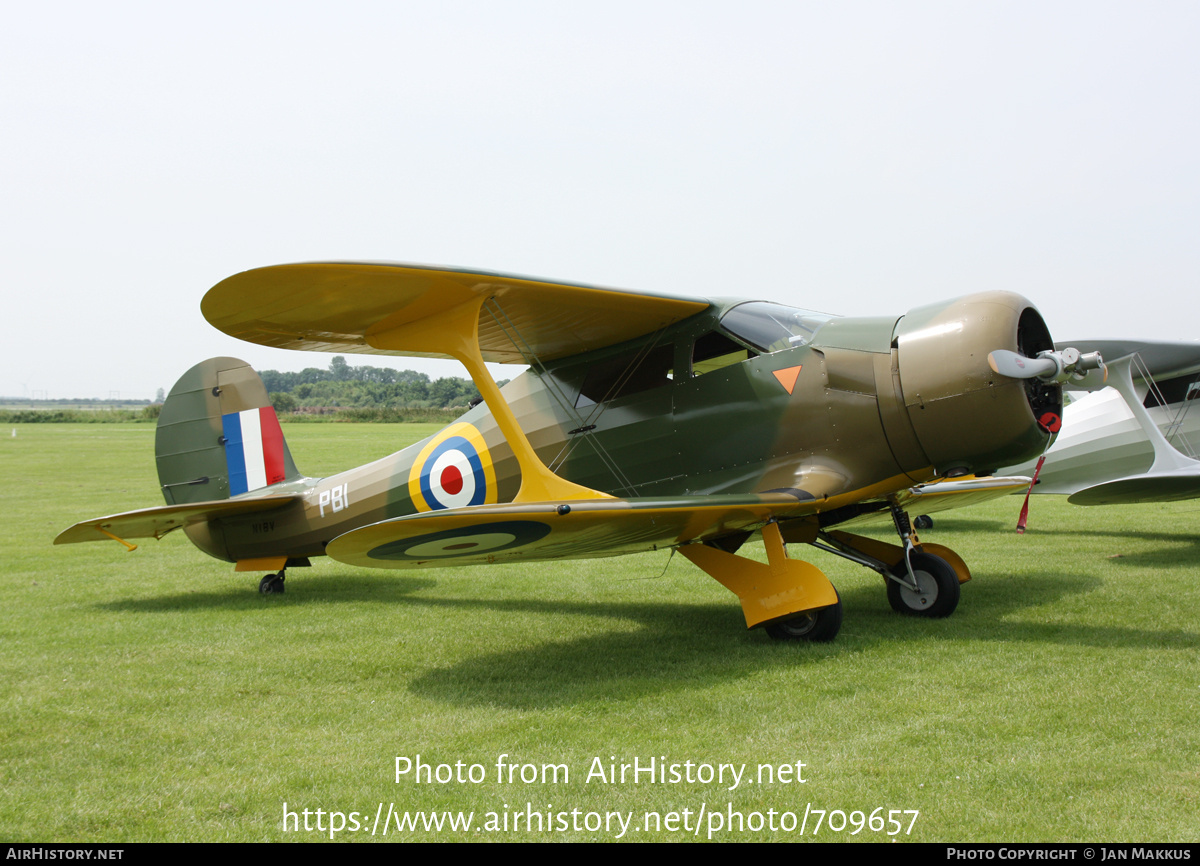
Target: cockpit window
x=714, y=351
x=773, y=327
x=627, y=374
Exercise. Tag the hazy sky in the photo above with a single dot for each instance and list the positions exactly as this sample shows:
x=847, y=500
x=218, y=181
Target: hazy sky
x=859, y=158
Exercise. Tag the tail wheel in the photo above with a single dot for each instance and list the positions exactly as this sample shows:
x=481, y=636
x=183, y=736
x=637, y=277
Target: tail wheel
x=936, y=593
x=816, y=626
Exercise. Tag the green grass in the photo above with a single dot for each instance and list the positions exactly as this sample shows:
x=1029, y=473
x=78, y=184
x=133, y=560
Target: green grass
x=155, y=695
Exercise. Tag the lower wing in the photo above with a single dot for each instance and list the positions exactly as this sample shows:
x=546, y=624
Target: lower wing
x=531, y=531
x=944, y=495
x=1168, y=486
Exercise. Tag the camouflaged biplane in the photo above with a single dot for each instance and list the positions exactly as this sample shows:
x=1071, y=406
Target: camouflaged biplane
x=643, y=423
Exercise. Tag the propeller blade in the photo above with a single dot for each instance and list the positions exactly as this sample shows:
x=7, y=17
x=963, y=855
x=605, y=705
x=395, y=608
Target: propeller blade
x=1016, y=366
x=1067, y=365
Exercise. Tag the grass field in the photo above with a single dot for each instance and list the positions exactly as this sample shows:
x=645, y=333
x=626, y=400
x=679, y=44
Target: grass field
x=155, y=695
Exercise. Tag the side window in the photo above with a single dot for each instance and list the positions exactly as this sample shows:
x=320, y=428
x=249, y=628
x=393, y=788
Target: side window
x=627, y=374
x=715, y=351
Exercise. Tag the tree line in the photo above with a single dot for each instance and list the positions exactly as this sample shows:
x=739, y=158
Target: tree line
x=344, y=386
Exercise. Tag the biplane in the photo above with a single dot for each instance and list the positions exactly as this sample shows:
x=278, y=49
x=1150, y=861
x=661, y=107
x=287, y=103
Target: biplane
x=1134, y=440
x=642, y=423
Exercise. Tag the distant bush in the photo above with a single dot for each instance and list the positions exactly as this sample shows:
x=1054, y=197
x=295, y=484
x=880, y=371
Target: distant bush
x=282, y=401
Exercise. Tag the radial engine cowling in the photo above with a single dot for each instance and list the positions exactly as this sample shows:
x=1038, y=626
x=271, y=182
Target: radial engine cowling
x=967, y=418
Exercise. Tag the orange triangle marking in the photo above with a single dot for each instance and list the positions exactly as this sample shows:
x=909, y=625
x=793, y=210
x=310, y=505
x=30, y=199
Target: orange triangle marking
x=787, y=377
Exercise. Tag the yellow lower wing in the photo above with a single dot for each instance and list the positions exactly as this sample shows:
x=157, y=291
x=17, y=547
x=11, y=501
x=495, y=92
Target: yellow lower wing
x=532, y=531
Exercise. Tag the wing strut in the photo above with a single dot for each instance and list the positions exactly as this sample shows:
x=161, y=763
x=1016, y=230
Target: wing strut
x=130, y=547
x=1173, y=475
x=513, y=333
x=455, y=332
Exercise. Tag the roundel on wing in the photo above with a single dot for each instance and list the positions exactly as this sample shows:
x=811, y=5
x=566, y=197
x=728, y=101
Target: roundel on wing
x=463, y=543
x=453, y=471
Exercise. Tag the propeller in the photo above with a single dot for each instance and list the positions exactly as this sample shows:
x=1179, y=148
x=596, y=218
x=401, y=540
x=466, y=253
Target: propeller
x=1083, y=371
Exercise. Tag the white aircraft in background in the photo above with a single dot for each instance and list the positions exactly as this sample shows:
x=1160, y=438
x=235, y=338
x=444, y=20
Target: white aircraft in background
x=1133, y=441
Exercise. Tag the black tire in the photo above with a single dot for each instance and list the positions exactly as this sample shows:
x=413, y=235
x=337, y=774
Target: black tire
x=815, y=626
x=272, y=584
x=923, y=521
x=938, y=583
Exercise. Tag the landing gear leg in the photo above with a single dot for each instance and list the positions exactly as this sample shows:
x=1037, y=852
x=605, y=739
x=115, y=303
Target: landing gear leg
x=793, y=599
x=922, y=583
x=921, y=579
x=272, y=584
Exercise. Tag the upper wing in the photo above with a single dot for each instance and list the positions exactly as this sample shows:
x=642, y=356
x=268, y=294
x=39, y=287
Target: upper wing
x=531, y=531
x=157, y=522
x=338, y=307
x=1163, y=360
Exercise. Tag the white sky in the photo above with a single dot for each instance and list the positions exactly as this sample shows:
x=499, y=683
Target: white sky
x=860, y=158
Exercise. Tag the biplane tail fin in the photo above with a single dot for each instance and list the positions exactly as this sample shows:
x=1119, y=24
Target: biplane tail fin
x=218, y=436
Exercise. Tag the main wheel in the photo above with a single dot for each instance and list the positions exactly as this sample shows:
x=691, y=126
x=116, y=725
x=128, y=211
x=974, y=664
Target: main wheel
x=272, y=584
x=937, y=589
x=818, y=626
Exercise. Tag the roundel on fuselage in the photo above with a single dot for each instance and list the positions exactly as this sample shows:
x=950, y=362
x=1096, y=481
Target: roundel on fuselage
x=453, y=470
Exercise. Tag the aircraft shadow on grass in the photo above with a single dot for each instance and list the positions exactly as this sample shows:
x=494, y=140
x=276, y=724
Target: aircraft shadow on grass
x=331, y=589
x=675, y=645
x=675, y=648
x=1180, y=548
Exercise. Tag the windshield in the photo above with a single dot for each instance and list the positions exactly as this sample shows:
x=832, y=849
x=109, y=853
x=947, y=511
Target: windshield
x=772, y=327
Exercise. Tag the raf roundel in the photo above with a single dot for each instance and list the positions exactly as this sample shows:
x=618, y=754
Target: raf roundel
x=453, y=470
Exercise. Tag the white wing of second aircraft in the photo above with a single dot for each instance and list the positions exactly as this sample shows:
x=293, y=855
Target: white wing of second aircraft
x=1112, y=448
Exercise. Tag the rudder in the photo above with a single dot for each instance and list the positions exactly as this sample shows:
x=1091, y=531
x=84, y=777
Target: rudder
x=218, y=435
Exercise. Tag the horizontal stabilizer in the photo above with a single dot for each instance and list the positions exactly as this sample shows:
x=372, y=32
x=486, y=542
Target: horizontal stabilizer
x=157, y=522
x=531, y=531
x=1159, y=487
